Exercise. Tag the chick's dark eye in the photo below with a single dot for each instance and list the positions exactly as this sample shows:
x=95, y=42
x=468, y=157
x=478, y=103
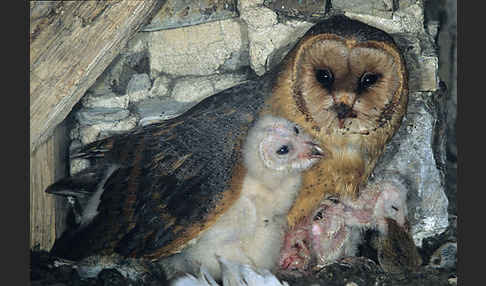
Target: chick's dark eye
x=334, y=200
x=367, y=79
x=318, y=216
x=283, y=150
x=296, y=130
x=325, y=78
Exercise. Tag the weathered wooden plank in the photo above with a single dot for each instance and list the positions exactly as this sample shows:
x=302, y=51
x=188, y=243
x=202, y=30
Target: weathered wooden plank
x=71, y=43
x=47, y=164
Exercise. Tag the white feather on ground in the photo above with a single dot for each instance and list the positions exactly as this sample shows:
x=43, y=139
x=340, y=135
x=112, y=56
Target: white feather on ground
x=233, y=274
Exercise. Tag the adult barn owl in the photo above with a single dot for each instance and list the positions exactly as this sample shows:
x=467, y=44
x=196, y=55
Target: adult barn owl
x=162, y=185
x=346, y=84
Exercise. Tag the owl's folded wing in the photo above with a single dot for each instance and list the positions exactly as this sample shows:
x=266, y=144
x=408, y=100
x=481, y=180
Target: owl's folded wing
x=170, y=182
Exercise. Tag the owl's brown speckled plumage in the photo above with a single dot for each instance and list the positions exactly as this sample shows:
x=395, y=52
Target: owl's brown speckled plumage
x=346, y=84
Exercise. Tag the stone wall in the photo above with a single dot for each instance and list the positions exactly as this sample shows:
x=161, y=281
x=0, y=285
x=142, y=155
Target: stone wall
x=162, y=73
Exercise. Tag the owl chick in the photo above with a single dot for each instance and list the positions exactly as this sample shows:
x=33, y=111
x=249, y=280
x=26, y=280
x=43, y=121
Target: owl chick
x=275, y=153
x=335, y=229
x=382, y=207
x=324, y=238
x=385, y=197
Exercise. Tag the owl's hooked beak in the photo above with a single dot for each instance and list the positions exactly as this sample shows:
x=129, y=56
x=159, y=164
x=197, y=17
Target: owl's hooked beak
x=344, y=111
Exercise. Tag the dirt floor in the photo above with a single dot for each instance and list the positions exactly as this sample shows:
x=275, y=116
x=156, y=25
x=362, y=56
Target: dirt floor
x=362, y=271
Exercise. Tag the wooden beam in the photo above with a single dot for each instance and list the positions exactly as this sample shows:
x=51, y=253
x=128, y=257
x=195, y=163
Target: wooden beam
x=47, y=164
x=71, y=44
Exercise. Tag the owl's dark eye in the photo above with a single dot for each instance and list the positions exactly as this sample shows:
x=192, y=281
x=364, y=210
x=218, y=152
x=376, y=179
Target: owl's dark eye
x=325, y=78
x=283, y=150
x=395, y=208
x=296, y=130
x=367, y=79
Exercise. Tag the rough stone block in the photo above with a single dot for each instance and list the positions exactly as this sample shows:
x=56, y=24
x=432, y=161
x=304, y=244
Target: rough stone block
x=160, y=87
x=138, y=82
x=138, y=87
x=426, y=78
x=107, y=100
x=194, y=89
x=407, y=20
x=91, y=133
x=378, y=8
x=411, y=153
x=160, y=108
x=90, y=116
x=304, y=9
x=258, y=18
x=267, y=37
x=243, y=4
x=195, y=50
x=421, y=59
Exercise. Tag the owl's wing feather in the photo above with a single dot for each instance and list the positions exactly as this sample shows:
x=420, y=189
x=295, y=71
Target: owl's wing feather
x=82, y=185
x=173, y=178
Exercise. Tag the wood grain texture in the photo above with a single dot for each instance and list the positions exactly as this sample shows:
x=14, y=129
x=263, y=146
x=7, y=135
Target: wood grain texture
x=47, y=164
x=71, y=44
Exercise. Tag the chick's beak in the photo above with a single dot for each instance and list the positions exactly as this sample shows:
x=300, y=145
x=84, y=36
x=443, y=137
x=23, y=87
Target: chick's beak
x=315, y=150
